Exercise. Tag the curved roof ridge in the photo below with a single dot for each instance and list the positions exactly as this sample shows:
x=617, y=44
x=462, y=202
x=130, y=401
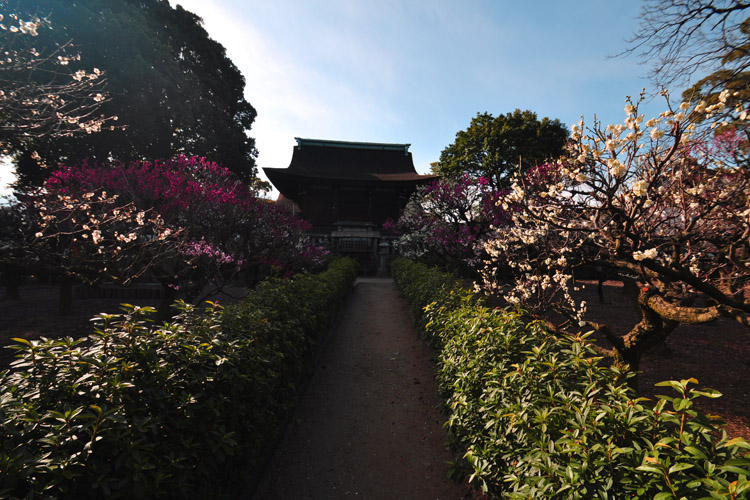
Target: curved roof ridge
x=301, y=142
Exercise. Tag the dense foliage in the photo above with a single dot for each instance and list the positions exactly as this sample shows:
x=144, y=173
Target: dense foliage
x=178, y=410
x=449, y=221
x=539, y=416
x=496, y=147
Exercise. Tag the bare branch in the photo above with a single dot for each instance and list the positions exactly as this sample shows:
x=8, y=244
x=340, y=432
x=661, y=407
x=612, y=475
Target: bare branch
x=681, y=38
x=39, y=95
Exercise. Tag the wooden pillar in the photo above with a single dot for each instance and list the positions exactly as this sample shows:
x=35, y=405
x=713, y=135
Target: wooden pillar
x=370, y=217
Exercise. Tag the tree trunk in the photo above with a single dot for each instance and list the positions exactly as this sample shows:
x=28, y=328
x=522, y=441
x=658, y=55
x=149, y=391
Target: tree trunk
x=65, y=298
x=650, y=331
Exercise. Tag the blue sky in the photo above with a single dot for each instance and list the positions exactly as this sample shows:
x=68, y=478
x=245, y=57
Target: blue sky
x=412, y=71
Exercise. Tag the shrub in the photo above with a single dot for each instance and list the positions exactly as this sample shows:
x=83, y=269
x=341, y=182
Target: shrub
x=186, y=222
x=181, y=410
x=421, y=285
x=538, y=416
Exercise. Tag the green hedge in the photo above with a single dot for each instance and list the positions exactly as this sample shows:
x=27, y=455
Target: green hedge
x=182, y=410
x=537, y=416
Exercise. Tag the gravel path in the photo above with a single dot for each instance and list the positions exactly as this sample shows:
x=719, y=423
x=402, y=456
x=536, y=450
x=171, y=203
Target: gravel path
x=369, y=425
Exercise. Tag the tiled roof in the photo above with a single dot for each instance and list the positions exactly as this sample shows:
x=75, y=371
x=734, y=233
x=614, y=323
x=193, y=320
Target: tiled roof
x=356, y=161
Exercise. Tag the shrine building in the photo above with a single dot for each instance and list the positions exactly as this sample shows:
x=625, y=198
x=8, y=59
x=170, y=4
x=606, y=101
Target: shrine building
x=347, y=190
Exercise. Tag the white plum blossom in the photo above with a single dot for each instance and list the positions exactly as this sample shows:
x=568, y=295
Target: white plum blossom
x=668, y=209
x=640, y=188
x=651, y=253
x=616, y=167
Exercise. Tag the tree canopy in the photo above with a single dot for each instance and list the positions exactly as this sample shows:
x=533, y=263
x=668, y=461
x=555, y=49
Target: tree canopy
x=444, y=220
x=497, y=147
x=172, y=87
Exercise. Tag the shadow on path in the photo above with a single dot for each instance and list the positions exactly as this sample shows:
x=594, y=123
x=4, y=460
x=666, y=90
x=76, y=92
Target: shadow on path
x=369, y=425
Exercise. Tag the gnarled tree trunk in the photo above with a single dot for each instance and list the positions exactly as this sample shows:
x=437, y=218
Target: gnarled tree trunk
x=659, y=318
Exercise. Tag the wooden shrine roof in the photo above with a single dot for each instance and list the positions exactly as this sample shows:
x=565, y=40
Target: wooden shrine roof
x=322, y=160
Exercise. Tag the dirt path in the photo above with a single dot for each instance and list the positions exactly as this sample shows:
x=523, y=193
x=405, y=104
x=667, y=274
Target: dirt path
x=369, y=425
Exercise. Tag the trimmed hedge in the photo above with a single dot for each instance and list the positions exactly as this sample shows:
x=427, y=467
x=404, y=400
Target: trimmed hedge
x=181, y=410
x=538, y=416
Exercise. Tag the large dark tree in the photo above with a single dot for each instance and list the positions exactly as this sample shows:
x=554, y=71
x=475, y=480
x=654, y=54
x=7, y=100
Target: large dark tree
x=172, y=87
x=497, y=147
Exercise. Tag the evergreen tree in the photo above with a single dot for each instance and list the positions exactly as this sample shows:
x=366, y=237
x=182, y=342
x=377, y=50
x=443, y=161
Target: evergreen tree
x=171, y=86
x=497, y=147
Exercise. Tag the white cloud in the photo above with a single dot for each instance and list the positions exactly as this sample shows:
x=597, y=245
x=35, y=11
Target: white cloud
x=307, y=80
x=404, y=71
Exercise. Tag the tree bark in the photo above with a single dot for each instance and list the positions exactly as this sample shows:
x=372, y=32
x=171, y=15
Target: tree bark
x=652, y=329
